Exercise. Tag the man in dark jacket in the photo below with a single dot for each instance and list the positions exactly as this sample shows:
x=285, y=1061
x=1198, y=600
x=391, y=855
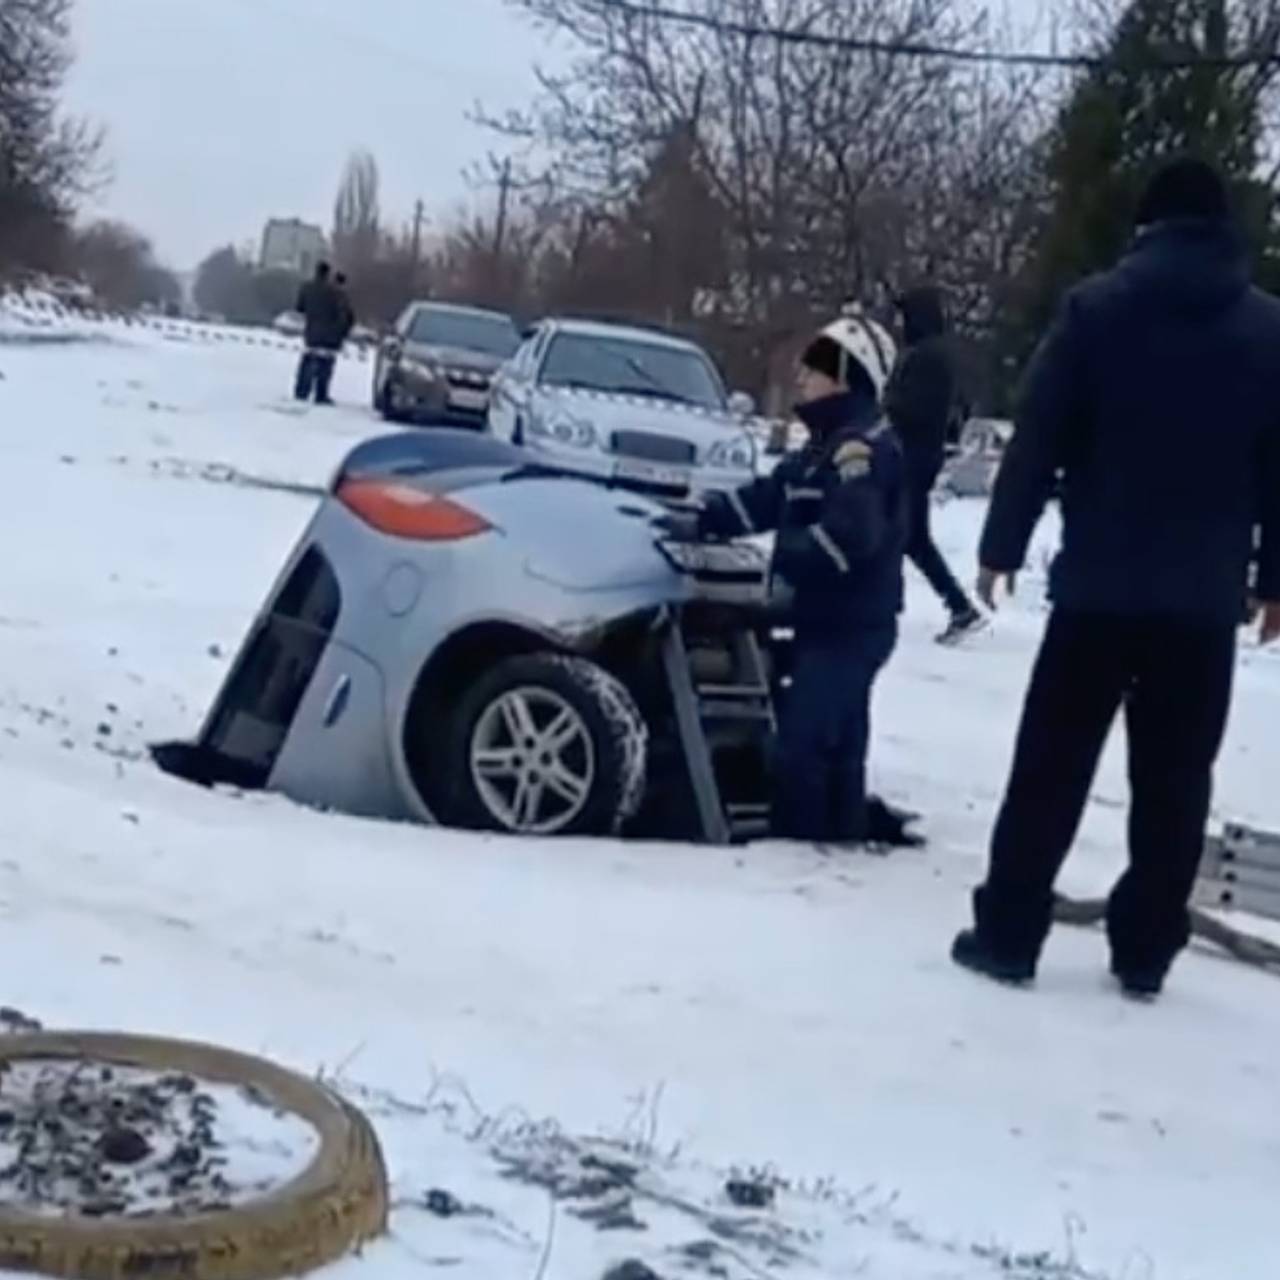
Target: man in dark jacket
x=920, y=401
x=840, y=509
x=1155, y=400
x=327, y=313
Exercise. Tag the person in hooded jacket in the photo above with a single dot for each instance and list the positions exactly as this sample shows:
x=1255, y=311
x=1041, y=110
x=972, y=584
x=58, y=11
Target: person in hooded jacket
x=1154, y=402
x=921, y=401
x=840, y=509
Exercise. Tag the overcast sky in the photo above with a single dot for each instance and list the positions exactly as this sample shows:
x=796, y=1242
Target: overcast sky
x=223, y=113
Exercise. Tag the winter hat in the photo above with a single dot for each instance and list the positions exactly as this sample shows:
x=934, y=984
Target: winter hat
x=1184, y=188
x=824, y=355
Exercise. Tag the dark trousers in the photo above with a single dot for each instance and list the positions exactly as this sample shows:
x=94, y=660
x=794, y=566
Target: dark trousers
x=923, y=552
x=315, y=374
x=1173, y=679
x=820, y=788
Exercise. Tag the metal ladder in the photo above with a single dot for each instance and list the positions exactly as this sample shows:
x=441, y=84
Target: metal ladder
x=713, y=716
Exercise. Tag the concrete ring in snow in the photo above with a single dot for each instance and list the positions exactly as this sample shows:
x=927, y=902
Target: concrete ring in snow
x=333, y=1202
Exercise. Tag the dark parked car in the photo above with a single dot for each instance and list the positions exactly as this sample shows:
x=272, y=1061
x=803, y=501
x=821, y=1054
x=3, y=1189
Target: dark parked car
x=438, y=363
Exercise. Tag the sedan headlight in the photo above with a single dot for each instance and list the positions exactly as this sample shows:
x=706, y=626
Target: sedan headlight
x=738, y=454
x=566, y=430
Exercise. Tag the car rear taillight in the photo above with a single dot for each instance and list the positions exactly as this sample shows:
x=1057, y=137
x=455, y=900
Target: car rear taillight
x=405, y=512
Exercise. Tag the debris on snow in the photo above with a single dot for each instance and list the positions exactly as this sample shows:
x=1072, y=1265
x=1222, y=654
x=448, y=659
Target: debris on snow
x=444, y=1204
x=631, y=1270
x=101, y=1140
x=749, y=1193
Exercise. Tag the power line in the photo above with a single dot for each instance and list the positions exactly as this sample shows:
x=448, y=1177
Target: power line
x=910, y=49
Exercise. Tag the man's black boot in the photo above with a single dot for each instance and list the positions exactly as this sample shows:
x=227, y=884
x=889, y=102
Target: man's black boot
x=1140, y=982
x=973, y=952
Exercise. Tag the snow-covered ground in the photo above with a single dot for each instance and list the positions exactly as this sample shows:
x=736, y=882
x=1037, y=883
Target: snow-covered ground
x=497, y=1004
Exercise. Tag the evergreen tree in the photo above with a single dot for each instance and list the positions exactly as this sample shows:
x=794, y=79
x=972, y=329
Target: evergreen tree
x=1128, y=115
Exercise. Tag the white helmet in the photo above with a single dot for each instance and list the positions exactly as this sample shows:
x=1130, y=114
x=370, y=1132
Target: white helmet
x=866, y=343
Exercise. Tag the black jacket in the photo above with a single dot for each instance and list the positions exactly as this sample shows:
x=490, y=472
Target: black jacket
x=328, y=314
x=1156, y=399
x=922, y=392
x=840, y=509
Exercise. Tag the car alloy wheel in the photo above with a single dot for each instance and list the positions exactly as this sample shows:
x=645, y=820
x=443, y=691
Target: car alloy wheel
x=539, y=744
x=532, y=761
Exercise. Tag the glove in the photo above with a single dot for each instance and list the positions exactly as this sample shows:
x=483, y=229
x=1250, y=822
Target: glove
x=680, y=526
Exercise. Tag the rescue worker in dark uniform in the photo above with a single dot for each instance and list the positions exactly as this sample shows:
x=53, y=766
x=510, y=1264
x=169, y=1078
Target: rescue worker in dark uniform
x=328, y=316
x=841, y=511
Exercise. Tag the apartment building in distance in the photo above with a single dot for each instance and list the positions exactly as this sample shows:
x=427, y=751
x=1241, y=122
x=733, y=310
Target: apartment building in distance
x=289, y=244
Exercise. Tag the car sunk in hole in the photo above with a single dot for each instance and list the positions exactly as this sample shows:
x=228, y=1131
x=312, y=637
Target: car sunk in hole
x=639, y=408
x=438, y=363
x=465, y=635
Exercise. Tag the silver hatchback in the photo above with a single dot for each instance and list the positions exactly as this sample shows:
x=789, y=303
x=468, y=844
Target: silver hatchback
x=462, y=637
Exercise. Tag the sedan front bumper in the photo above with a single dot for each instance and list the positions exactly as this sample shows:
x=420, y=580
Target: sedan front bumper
x=419, y=394
x=668, y=482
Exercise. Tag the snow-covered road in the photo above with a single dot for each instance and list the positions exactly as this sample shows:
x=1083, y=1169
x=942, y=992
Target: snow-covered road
x=493, y=1000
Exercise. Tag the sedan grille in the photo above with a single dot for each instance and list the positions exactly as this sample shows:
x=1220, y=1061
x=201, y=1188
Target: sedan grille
x=473, y=379
x=654, y=448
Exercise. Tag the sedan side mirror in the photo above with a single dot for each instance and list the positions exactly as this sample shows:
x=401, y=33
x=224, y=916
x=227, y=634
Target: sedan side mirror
x=742, y=404
x=392, y=346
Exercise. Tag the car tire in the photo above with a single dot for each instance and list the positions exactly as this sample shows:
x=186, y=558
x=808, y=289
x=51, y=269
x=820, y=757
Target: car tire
x=586, y=780
x=385, y=407
x=331, y=1209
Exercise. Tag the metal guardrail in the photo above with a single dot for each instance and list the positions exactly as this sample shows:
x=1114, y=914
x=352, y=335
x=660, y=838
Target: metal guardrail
x=46, y=311
x=1241, y=871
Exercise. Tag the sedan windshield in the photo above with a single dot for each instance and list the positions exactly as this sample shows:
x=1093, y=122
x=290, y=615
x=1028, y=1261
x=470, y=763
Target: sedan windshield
x=623, y=366
x=466, y=330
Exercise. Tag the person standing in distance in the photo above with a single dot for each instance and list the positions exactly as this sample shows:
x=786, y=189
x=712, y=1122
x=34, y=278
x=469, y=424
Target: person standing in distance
x=921, y=399
x=325, y=310
x=1155, y=399
x=349, y=320
x=840, y=510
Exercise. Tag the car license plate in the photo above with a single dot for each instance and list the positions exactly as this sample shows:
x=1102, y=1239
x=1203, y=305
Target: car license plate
x=652, y=473
x=470, y=400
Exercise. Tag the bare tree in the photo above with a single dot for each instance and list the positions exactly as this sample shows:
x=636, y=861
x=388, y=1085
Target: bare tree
x=837, y=173
x=46, y=161
x=357, y=215
x=120, y=265
x=500, y=256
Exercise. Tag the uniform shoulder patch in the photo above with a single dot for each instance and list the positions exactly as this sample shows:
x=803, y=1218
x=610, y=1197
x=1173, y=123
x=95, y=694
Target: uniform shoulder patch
x=853, y=459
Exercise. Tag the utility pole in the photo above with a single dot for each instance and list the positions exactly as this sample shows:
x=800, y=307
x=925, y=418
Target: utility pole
x=419, y=214
x=504, y=207
x=498, y=284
